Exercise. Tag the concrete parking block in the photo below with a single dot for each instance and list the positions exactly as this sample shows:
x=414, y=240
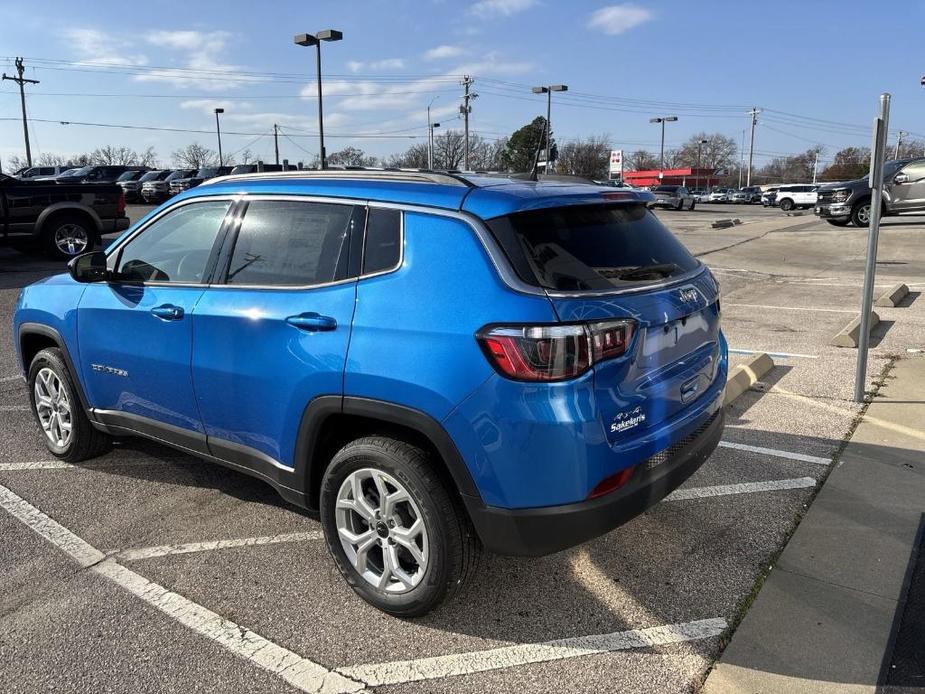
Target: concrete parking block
x=744, y=376
x=849, y=336
x=893, y=295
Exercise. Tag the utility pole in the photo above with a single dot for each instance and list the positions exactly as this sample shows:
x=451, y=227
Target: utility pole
x=218, y=132
x=742, y=158
x=465, y=110
x=751, y=148
x=21, y=81
x=899, y=141
x=276, y=142
x=815, y=165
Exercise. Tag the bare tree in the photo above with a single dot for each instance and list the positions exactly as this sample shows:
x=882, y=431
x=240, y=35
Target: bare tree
x=589, y=158
x=14, y=163
x=194, y=156
x=415, y=157
x=718, y=152
x=112, y=155
x=792, y=169
x=485, y=155
x=49, y=159
x=351, y=156
x=148, y=158
x=449, y=150
x=642, y=160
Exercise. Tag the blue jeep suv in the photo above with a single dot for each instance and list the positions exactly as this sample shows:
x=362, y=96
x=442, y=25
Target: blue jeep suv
x=436, y=363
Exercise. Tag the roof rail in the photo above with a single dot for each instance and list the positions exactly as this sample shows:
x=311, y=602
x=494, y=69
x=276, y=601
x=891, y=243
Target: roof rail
x=354, y=173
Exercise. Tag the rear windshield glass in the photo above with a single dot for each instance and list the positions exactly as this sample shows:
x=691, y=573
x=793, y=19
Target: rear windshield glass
x=591, y=247
x=666, y=189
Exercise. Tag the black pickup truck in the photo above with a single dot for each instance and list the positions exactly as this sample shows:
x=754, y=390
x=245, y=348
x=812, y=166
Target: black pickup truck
x=67, y=219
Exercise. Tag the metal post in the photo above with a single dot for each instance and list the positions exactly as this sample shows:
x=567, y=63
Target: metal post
x=276, y=142
x=699, y=150
x=751, y=147
x=815, y=166
x=548, y=130
x=661, y=156
x=878, y=147
x=899, y=142
x=321, y=157
x=218, y=132
x=430, y=142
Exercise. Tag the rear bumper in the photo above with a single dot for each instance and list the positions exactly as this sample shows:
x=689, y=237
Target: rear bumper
x=539, y=531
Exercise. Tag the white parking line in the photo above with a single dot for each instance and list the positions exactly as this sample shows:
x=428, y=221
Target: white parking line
x=86, y=465
x=14, y=408
x=7, y=379
x=456, y=664
x=815, y=460
x=299, y=672
x=782, y=355
x=791, y=308
x=40, y=465
x=742, y=488
x=165, y=550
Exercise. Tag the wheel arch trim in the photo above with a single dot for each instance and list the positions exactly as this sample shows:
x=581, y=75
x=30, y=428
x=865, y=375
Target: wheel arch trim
x=47, y=331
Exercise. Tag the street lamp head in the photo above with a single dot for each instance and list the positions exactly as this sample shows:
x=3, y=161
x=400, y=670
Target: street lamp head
x=219, y=110
x=435, y=125
x=539, y=90
x=558, y=87
x=304, y=40
x=670, y=119
x=655, y=120
x=329, y=35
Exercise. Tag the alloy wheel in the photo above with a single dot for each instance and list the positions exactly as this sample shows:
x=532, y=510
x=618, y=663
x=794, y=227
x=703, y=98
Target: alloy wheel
x=53, y=407
x=71, y=239
x=382, y=531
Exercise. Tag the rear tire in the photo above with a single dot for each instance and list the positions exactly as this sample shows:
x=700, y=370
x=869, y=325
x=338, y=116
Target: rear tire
x=372, y=535
x=786, y=204
x=66, y=236
x=66, y=430
x=693, y=205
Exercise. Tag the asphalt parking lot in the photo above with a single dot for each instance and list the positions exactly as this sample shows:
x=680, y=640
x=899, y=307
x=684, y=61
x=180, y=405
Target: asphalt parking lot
x=170, y=573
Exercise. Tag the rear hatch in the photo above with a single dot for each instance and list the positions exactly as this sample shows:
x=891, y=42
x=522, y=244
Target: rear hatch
x=617, y=261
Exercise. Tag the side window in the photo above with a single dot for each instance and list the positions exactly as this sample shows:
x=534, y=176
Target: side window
x=289, y=243
x=175, y=248
x=383, y=240
x=915, y=171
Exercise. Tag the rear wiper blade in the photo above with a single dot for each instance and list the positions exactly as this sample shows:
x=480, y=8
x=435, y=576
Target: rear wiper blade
x=647, y=272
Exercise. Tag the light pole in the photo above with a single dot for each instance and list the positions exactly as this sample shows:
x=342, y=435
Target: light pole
x=218, y=132
x=430, y=135
x=309, y=40
x=699, y=148
x=661, y=156
x=430, y=145
x=548, y=90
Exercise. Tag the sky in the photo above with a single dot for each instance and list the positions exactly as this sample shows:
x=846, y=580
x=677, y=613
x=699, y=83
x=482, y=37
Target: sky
x=815, y=69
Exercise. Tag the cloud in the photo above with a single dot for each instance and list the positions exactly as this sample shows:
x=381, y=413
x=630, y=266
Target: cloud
x=202, y=64
x=441, y=52
x=499, y=8
x=97, y=47
x=616, y=19
x=384, y=64
x=365, y=95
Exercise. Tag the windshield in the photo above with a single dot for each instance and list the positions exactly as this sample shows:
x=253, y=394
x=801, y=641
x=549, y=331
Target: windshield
x=591, y=247
x=666, y=189
x=83, y=171
x=149, y=176
x=128, y=176
x=207, y=173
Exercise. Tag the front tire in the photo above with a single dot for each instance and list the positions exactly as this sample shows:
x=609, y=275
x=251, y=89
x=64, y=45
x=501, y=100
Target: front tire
x=398, y=537
x=693, y=205
x=67, y=236
x=860, y=214
x=786, y=204
x=67, y=432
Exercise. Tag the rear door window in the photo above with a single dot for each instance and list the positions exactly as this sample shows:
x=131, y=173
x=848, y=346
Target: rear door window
x=591, y=247
x=383, y=240
x=290, y=243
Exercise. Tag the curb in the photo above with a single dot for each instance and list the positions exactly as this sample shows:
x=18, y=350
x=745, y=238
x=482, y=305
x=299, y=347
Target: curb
x=744, y=376
x=896, y=294
x=848, y=336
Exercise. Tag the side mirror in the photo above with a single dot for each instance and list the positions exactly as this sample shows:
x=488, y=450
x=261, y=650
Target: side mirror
x=900, y=178
x=89, y=267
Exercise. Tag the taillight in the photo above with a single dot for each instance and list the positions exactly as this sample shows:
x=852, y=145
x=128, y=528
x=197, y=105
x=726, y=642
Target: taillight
x=120, y=207
x=553, y=352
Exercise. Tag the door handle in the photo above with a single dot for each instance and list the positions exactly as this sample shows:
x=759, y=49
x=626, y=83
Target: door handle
x=312, y=322
x=168, y=312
